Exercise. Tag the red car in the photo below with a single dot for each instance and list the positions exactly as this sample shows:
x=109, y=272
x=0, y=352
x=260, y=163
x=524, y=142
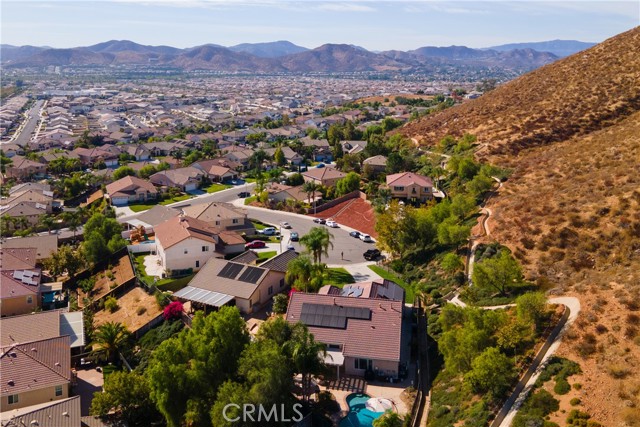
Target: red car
x=256, y=244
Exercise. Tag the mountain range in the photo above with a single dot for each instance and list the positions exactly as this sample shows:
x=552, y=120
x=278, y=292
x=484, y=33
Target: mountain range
x=559, y=48
x=276, y=57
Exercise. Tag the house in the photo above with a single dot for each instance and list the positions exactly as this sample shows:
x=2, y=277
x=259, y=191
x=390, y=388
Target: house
x=291, y=157
x=239, y=155
x=35, y=372
x=22, y=214
x=90, y=156
x=376, y=164
x=35, y=197
x=185, y=179
x=44, y=245
x=139, y=151
x=131, y=189
x=58, y=413
x=151, y=217
x=321, y=149
x=186, y=244
x=219, y=170
x=323, y=176
x=348, y=326
x=43, y=325
x=410, y=186
x=221, y=215
x=24, y=169
x=353, y=147
x=20, y=291
x=222, y=282
x=282, y=193
x=376, y=289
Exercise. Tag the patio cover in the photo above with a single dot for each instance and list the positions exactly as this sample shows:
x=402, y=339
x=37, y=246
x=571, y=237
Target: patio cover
x=334, y=358
x=203, y=296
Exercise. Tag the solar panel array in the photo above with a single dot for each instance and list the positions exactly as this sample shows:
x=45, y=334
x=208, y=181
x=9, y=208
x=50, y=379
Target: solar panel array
x=251, y=275
x=331, y=316
x=230, y=270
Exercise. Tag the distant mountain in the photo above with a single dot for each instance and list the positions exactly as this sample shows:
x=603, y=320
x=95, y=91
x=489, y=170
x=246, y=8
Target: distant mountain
x=560, y=48
x=270, y=49
x=15, y=53
x=339, y=58
x=115, y=46
x=217, y=58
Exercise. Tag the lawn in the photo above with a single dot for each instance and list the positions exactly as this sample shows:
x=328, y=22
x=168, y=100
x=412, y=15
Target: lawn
x=263, y=256
x=250, y=200
x=174, y=285
x=408, y=289
x=140, y=208
x=215, y=187
x=176, y=199
x=145, y=206
x=142, y=273
x=338, y=277
x=249, y=180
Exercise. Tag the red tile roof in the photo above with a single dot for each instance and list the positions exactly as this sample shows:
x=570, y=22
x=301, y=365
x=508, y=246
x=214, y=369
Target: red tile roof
x=408, y=178
x=377, y=338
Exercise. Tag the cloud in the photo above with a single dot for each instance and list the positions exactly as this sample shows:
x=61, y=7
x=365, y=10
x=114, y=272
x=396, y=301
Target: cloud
x=345, y=7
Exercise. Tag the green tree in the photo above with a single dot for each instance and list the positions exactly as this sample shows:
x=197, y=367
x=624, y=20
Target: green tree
x=48, y=221
x=127, y=396
x=310, y=187
x=65, y=259
x=146, y=171
x=351, y=182
x=532, y=308
x=389, y=419
x=278, y=157
x=452, y=263
x=123, y=171
x=102, y=237
x=299, y=271
x=109, y=339
x=4, y=162
x=317, y=242
x=307, y=355
x=491, y=372
x=499, y=273
x=187, y=370
x=280, y=303
x=452, y=233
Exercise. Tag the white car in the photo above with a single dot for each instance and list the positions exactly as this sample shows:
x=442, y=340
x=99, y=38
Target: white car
x=332, y=224
x=269, y=231
x=285, y=225
x=366, y=238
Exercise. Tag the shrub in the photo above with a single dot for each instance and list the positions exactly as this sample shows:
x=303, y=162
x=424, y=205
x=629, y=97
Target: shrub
x=577, y=386
x=111, y=304
x=562, y=386
x=141, y=310
x=575, y=401
x=173, y=310
x=601, y=329
x=280, y=303
x=618, y=371
x=162, y=299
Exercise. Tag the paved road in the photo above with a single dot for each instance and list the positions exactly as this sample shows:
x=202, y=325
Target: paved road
x=33, y=116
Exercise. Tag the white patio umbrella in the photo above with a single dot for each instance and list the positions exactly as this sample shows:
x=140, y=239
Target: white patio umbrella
x=378, y=404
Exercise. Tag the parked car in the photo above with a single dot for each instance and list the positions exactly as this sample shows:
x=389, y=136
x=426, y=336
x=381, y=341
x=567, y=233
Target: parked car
x=269, y=231
x=256, y=244
x=234, y=182
x=290, y=247
x=319, y=221
x=320, y=165
x=294, y=237
x=366, y=238
x=244, y=194
x=371, y=254
x=285, y=224
x=332, y=224
x=355, y=234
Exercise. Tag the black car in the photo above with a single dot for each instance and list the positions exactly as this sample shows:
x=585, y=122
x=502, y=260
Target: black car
x=295, y=237
x=244, y=194
x=355, y=234
x=319, y=221
x=371, y=254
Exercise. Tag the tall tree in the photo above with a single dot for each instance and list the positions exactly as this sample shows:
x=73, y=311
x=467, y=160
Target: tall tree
x=491, y=372
x=351, y=182
x=317, y=242
x=310, y=187
x=109, y=339
x=499, y=273
x=307, y=355
x=278, y=157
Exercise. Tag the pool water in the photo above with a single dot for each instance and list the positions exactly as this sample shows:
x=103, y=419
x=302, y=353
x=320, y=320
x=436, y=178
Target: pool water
x=359, y=415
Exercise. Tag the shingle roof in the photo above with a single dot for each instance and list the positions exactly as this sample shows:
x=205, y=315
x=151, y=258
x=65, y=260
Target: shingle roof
x=207, y=278
x=45, y=245
x=29, y=327
x=379, y=337
x=248, y=257
x=179, y=228
x=408, y=178
x=122, y=184
x=213, y=211
x=379, y=160
x=280, y=262
x=324, y=173
x=35, y=365
x=59, y=413
x=17, y=258
x=158, y=214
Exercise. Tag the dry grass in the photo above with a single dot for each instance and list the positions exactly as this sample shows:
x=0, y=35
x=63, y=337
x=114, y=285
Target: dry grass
x=129, y=312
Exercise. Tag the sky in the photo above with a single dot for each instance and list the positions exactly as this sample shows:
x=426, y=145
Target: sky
x=374, y=25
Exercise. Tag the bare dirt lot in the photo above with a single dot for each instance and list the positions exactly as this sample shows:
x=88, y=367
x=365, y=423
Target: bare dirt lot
x=127, y=313
x=110, y=278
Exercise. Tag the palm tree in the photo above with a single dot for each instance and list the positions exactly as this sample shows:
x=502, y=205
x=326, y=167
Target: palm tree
x=299, y=271
x=307, y=355
x=47, y=221
x=109, y=339
x=318, y=241
x=310, y=187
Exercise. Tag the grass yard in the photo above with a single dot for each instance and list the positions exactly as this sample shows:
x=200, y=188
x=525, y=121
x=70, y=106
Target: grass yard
x=142, y=273
x=263, y=256
x=145, y=206
x=338, y=277
x=408, y=289
x=174, y=285
x=250, y=200
x=215, y=187
x=249, y=180
x=180, y=198
x=140, y=208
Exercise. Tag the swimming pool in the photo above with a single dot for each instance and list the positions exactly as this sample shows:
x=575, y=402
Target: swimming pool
x=359, y=416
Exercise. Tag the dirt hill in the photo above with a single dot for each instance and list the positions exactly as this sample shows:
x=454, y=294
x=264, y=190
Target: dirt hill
x=570, y=211
x=576, y=95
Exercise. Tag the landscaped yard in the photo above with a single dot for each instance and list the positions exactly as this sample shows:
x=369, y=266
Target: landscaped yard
x=338, y=277
x=142, y=273
x=215, y=187
x=139, y=207
x=408, y=289
x=174, y=285
x=250, y=200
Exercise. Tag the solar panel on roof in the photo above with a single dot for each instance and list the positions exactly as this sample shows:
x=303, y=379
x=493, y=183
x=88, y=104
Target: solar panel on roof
x=331, y=316
x=230, y=270
x=251, y=275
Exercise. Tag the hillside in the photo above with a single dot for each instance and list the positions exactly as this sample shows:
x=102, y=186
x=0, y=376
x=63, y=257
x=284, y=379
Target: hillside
x=573, y=96
x=270, y=49
x=570, y=211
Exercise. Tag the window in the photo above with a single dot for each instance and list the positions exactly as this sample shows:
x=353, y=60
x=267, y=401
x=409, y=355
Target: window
x=281, y=283
x=398, y=188
x=333, y=347
x=235, y=220
x=270, y=290
x=58, y=390
x=205, y=249
x=13, y=398
x=413, y=190
x=364, y=364
x=217, y=222
x=186, y=251
x=29, y=299
x=197, y=264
